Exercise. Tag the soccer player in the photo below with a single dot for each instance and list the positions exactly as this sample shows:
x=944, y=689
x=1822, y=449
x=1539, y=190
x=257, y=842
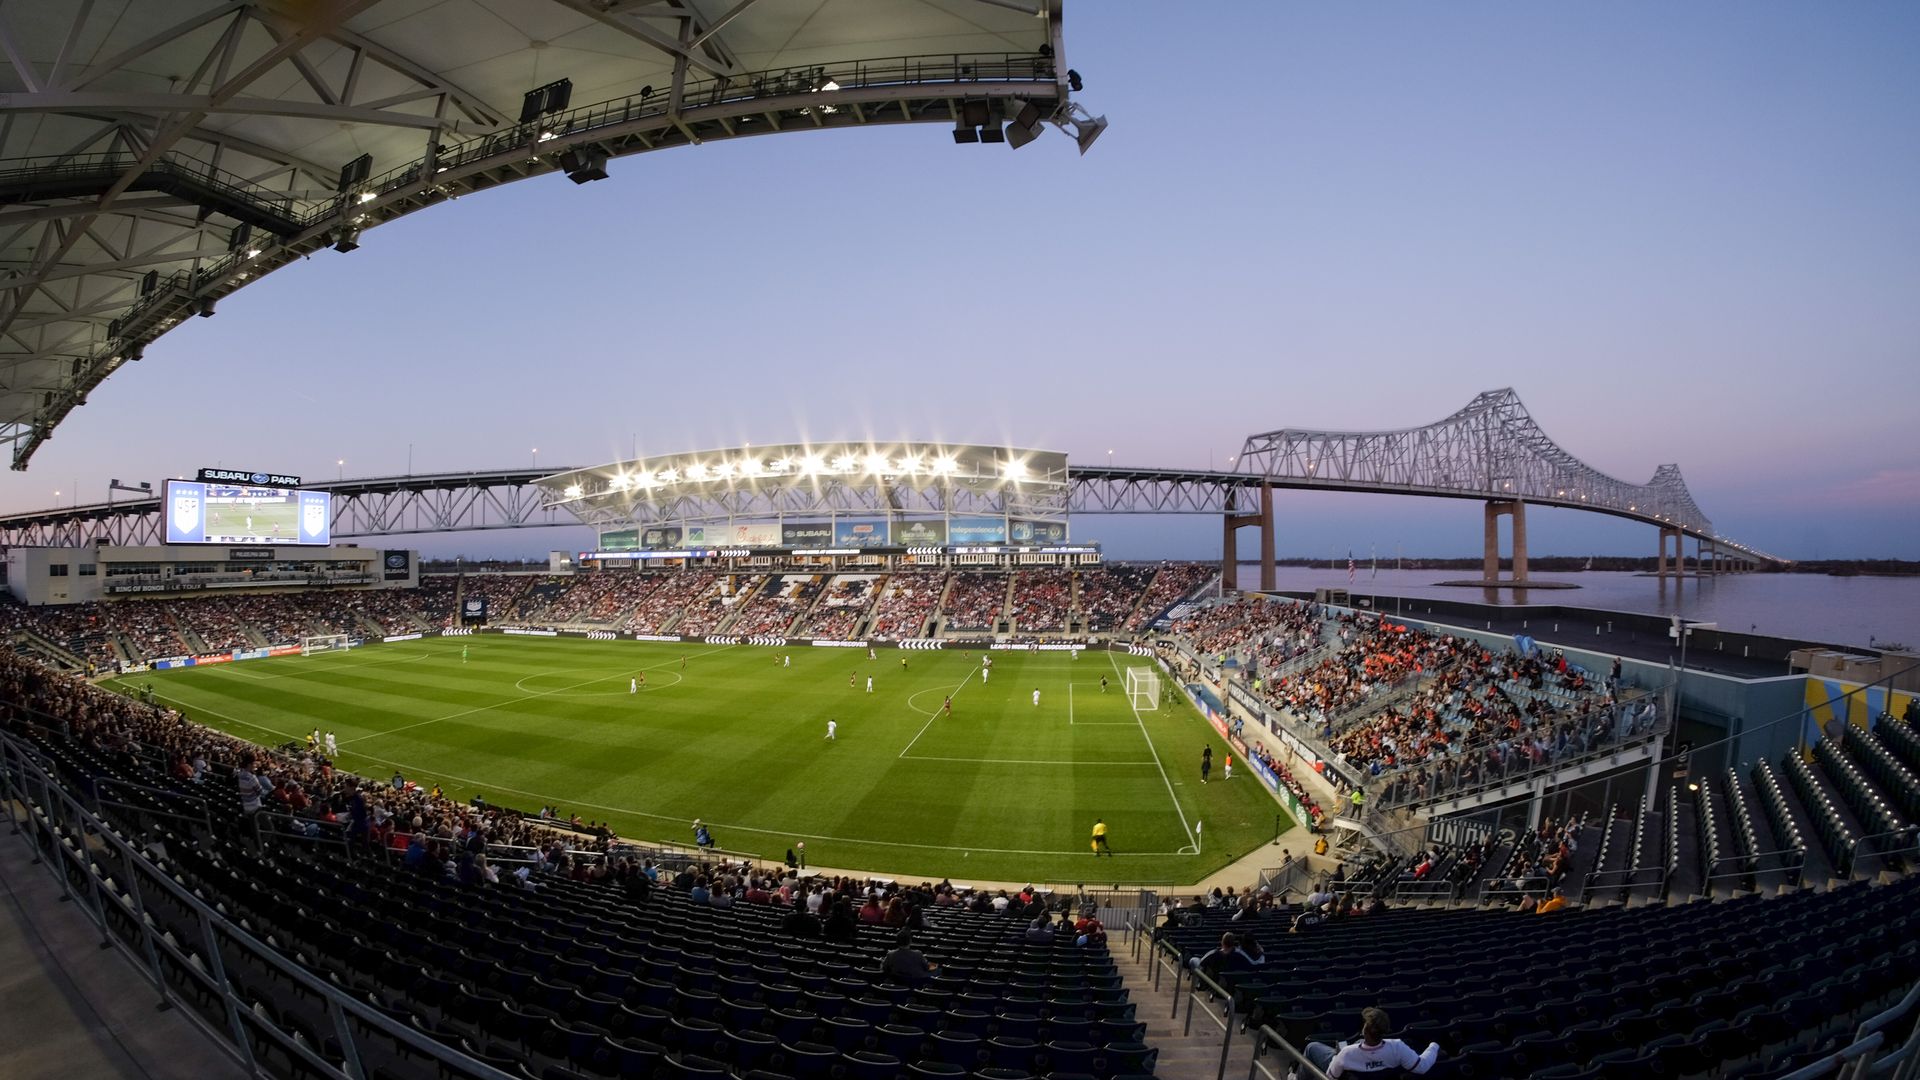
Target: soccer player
x=1100, y=838
x=683, y=661
x=249, y=523
x=1206, y=762
x=903, y=663
x=633, y=686
x=643, y=678
x=333, y=748
x=850, y=679
x=1227, y=772
x=832, y=725
x=869, y=684
x=870, y=655
x=787, y=660
x=463, y=654
x=948, y=706
x=1036, y=697
x=1103, y=684
x=313, y=739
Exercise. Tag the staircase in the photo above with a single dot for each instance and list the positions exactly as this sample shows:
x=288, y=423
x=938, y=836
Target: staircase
x=1191, y=1056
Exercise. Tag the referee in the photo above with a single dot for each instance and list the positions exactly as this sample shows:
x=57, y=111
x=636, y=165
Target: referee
x=1100, y=838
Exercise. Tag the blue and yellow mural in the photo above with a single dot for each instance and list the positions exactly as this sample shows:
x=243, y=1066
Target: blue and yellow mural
x=1836, y=700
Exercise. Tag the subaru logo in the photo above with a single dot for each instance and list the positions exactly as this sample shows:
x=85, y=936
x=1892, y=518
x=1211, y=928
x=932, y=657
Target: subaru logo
x=259, y=478
x=397, y=562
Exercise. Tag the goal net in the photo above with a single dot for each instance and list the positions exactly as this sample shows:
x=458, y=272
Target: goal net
x=319, y=643
x=1143, y=688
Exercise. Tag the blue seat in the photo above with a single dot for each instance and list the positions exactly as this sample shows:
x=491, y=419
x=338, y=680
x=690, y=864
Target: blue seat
x=808, y=1061
x=1130, y=1058
x=870, y=1065
x=955, y=1048
x=1013, y=1052
x=901, y=1040
x=846, y=1034
x=1070, y=1057
x=692, y=1067
x=751, y=1049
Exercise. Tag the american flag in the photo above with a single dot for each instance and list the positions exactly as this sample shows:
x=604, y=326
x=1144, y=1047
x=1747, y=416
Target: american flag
x=1351, y=569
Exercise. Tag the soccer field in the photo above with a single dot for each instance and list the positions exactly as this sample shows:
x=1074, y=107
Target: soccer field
x=1001, y=789
x=230, y=519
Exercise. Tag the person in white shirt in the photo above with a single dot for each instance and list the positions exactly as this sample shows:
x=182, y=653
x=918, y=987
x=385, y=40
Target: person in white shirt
x=333, y=748
x=832, y=726
x=1373, y=1053
x=786, y=661
x=869, y=684
x=1036, y=697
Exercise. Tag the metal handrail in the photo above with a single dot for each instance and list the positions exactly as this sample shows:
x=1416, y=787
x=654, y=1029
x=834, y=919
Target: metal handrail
x=1264, y=1039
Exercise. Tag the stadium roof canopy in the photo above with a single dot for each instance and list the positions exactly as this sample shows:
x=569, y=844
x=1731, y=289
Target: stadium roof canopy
x=156, y=155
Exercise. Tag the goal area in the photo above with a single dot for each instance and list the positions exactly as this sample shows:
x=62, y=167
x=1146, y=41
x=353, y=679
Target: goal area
x=1143, y=688
x=319, y=643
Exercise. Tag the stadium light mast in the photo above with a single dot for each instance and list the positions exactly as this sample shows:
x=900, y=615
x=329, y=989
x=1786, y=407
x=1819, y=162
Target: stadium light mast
x=340, y=469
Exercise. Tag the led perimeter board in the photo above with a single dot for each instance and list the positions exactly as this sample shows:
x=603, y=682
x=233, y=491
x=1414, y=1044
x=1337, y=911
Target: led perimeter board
x=208, y=512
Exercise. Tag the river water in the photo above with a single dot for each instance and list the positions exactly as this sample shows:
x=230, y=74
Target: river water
x=1815, y=607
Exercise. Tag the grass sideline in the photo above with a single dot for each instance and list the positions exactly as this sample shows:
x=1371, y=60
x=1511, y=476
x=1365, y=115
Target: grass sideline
x=999, y=790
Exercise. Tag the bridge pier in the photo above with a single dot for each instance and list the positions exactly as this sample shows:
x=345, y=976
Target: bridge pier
x=1679, y=553
x=1490, y=565
x=1231, y=524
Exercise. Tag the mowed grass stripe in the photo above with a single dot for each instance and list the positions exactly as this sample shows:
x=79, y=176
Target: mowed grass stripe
x=739, y=742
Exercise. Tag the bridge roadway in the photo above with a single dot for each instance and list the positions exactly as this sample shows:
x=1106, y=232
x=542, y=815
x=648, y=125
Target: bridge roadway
x=513, y=498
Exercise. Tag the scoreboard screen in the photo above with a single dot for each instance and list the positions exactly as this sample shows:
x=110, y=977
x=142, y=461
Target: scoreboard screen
x=205, y=512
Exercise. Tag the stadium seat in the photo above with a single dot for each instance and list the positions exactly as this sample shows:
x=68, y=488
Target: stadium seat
x=870, y=1065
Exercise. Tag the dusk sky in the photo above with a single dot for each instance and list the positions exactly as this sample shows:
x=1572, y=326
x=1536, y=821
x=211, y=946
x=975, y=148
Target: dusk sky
x=1684, y=233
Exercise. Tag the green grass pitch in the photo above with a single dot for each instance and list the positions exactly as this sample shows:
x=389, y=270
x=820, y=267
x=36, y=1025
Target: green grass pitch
x=230, y=519
x=1000, y=790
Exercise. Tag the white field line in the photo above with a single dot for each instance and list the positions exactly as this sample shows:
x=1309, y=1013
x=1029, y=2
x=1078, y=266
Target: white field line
x=518, y=700
x=545, y=797
x=935, y=714
x=1156, y=760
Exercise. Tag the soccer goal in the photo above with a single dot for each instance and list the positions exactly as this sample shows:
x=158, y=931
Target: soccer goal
x=1143, y=689
x=319, y=643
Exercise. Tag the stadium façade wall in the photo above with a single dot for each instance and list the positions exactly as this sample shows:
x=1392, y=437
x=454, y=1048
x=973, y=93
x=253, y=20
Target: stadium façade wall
x=77, y=575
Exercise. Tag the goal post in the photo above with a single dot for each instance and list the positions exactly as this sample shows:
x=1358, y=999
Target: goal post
x=319, y=643
x=1143, y=689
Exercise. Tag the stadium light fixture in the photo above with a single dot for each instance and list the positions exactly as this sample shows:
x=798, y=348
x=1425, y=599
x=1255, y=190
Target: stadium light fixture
x=668, y=476
x=367, y=197
x=723, y=471
x=1013, y=469
x=697, y=471
x=574, y=491
x=346, y=239
x=877, y=463
x=845, y=463
x=583, y=165
x=204, y=307
x=812, y=465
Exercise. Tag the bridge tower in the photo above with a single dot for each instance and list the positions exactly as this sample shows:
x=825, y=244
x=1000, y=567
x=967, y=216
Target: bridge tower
x=1235, y=520
x=1496, y=509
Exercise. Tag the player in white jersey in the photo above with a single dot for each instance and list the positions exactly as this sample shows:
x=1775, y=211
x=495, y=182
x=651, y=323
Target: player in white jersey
x=1036, y=697
x=633, y=686
x=869, y=684
x=333, y=748
x=832, y=726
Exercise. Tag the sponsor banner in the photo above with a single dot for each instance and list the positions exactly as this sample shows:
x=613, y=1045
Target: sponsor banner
x=619, y=540
x=720, y=639
x=656, y=637
x=163, y=665
x=1051, y=646
x=396, y=564
x=526, y=632
x=1030, y=531
x=1265, y=774
x=602, y=635
x=133, y=669
x=283, y=650
x=456, y=632
x=920, y=643
x=223, y=658
x=977, y=530
x=919, y=533
x=738, y=536
x=764, y=639
x=822, y=643
x=810, y=534
x=391, y=638
x=661, y=536
x=859, y=533
x=247, y=476
x=251, y=654
x=474, y=608
x=251, y=555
